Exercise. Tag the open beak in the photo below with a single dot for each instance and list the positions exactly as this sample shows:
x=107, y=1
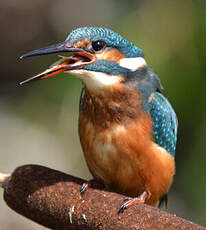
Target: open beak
x=80, y=58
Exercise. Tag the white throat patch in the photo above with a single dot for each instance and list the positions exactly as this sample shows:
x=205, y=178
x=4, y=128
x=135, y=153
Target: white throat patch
x=96, y=80
x=133, y=63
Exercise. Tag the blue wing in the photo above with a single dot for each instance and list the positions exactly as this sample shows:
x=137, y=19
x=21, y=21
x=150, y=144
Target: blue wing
x=164, y=122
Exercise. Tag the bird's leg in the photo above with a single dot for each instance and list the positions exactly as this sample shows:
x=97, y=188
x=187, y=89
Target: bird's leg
x=137, y=200
x=91, y=183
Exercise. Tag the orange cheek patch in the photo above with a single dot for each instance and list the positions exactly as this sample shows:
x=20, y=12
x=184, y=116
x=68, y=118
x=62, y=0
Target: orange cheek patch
x=113, y=55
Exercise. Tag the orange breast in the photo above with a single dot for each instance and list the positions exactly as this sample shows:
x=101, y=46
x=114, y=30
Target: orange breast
x=123, y=155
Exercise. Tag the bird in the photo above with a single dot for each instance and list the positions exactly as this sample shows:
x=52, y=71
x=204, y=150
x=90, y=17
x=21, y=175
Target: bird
x=127, y=127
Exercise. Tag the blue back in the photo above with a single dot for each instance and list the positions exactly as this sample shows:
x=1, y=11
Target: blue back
x=164, y=122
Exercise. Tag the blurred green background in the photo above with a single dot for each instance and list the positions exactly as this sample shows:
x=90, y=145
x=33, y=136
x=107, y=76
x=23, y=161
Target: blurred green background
x=38, y=122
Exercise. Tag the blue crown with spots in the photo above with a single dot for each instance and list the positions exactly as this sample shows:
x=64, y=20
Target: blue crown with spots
x=112, y=39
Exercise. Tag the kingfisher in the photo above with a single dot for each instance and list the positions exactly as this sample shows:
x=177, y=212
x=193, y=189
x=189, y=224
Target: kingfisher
x=127, y=127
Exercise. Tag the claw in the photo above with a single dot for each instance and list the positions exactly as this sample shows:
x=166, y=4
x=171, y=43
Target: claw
x=122, y=208
x=91, y=183
x=131, y=201
x=84, y=188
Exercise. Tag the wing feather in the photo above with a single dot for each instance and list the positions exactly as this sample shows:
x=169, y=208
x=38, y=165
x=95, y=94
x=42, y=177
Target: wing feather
x=164, y=122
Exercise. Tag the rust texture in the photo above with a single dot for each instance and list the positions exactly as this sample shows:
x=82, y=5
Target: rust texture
x=52, y=199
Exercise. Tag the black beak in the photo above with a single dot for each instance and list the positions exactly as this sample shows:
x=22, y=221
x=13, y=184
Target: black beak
x=56, y=48
x=80, y=58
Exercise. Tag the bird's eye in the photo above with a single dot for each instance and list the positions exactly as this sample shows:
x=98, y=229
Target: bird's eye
x=98, y=45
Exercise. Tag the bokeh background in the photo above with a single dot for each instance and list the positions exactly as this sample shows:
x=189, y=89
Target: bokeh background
x=38, y=121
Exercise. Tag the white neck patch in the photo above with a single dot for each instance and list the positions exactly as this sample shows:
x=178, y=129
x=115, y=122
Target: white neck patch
x=96, y=80
x=133, y=63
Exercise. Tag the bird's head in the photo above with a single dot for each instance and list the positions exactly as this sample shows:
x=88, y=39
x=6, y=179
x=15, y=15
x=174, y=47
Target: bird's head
x=100, y=57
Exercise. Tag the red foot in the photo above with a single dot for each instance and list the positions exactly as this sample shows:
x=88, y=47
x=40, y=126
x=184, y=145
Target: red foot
x=138, y=200
x=89, y=184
